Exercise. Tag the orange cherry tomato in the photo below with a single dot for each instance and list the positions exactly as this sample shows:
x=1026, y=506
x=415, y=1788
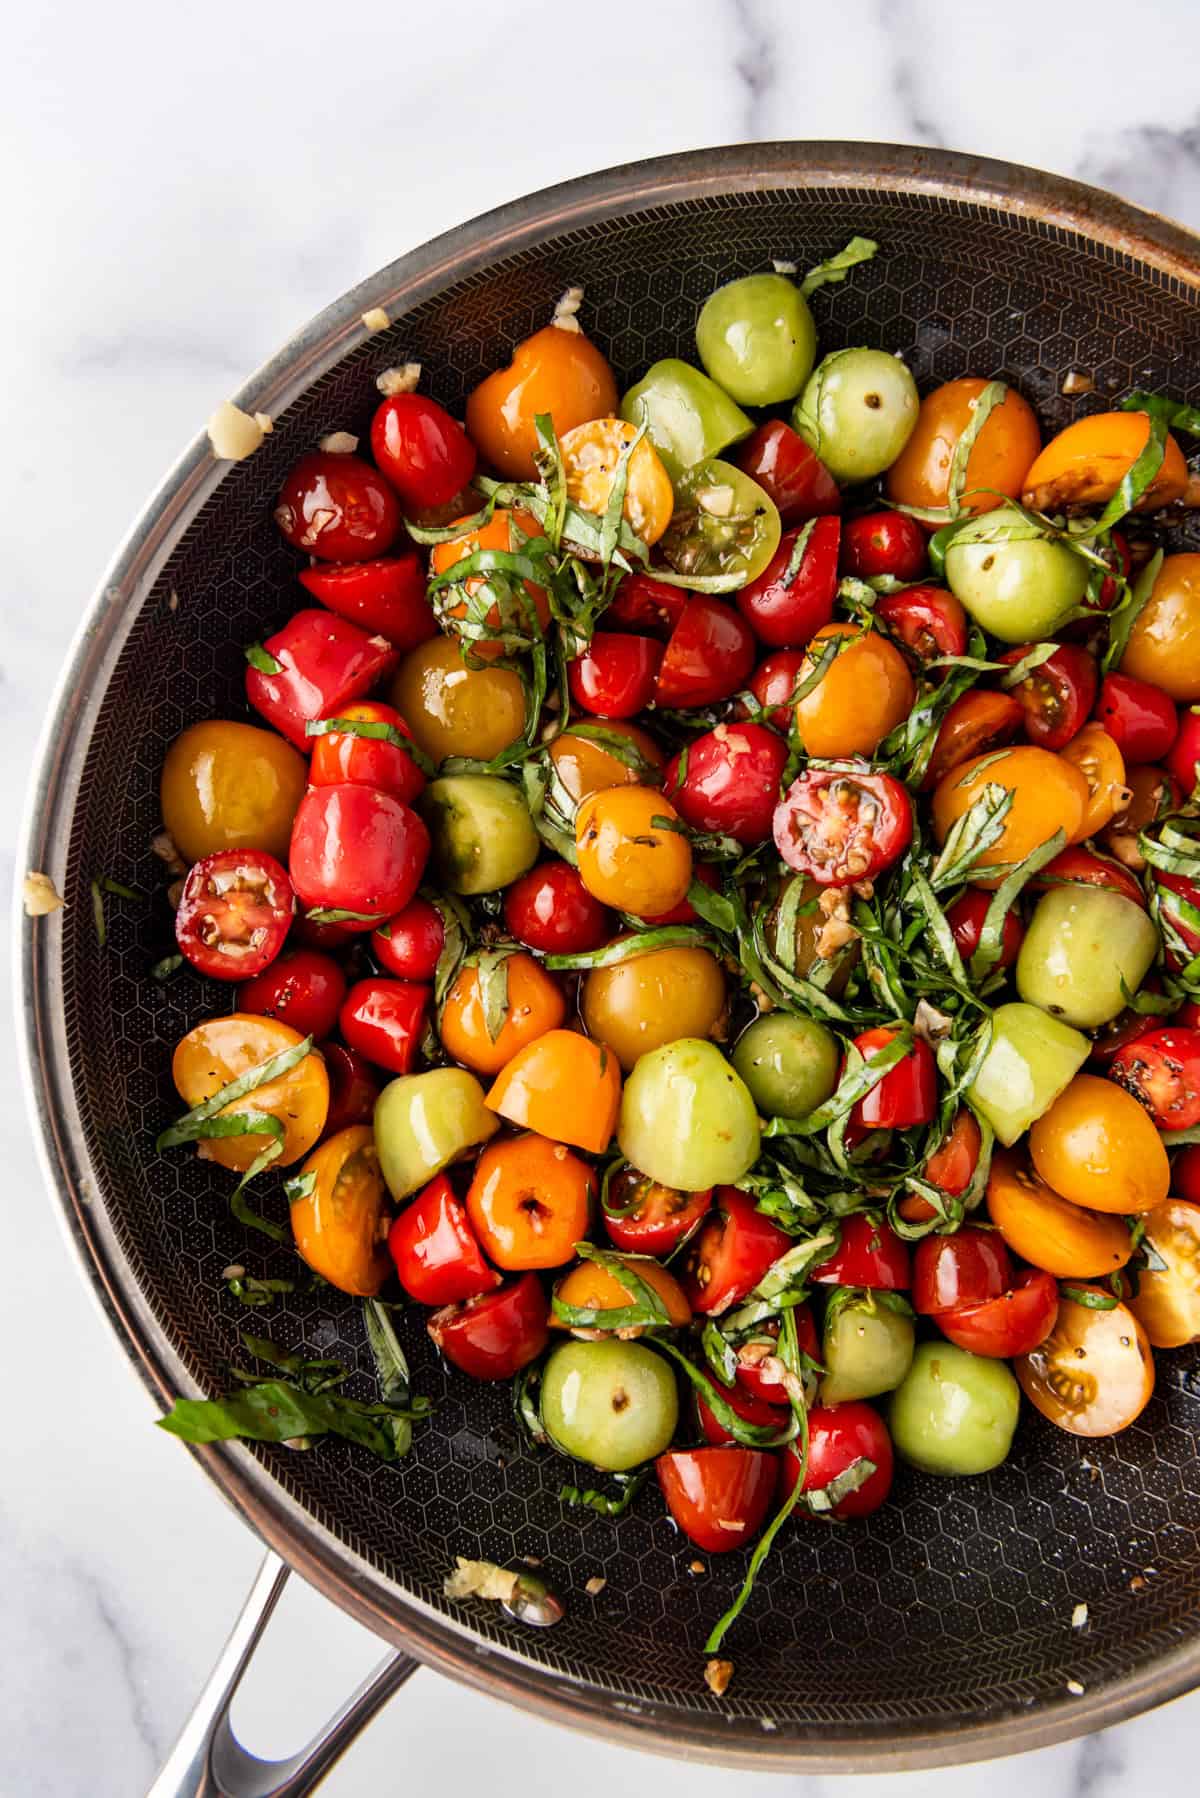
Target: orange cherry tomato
x=1050, y=1232
x=533, y=1004
x=999, y=458
x=975, y=724
x=557, y=370
x=628, y=861
x=497, y=533
x=1098, y=1147
x=455, y=710
x=1095, y=1371
x=591, y=1287
x=231, y=786
x=563, y=1086
x=1164, y=644
x=1167, y=1303
x=1083, y=466
x=649, y=1000
x=222, y=1050
x=865, y=691
x=585, y=766
x=1048, y=795
x=341, y=1226
x=530, y=1202
x=590, y=455
x=1102, y=765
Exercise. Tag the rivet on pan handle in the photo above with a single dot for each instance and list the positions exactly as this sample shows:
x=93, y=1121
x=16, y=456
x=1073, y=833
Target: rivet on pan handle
x=208, y=1761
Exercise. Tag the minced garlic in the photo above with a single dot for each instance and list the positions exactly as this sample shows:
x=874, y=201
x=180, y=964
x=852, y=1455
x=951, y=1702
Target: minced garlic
x=376, y=319
x=40, y=896
x=234, y=435
x=339, y=443
x=564, y=312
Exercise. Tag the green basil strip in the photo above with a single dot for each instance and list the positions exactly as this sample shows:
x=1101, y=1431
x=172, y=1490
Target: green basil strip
x=1138, y=477
x=991, y=937
x=1013, y=676
x=719, y=1352
x=163, y=970
x=119, y=890
x=857, y=1080
x=548, y=460
x=391, y=1363
x=836, y=268
x=278, y=1411
x=298, y=1187
x=335, y=915
x=831, y=648
x=1174, y=413
x=647, y=1312
x=610, y=524
x=939, y=929
x=851, y=1479
x=456, y=923
x=262, y=659
x=971, y=836
x=1123, y=619
x=750, y=1435
x=491, y=975
x=599, y=1502
x=993, y=395
x=713, y=908
x=375, y=731
x=428, y=535
x=795, y=563
x=98, y=914
x=645, y=942
x=1172, y=851
x=1094, y=1301
x=239, y=1204
x=619, y=747
x=525, y=1403
x=255, y=1293
x=190, y=1127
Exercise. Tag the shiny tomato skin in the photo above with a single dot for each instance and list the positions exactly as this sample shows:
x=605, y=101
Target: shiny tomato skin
x=1162, y=1071
x=718, y=1496
x=325, y=664
x=1011, y=1324
x=1127, y=1027
x=234, y=913
x=839, y=1435
x=550, y=909
x=338, y=508
x=1081, y=866
x=929, y=621
x=385, y=1021
x=653, y=1219
x=869, y=1254
x=685, y=911
x=773, y=683
x=1188, y=890
x=884, y=543
x=1140, y=719
x=646, y=606
x=437, y=1254
x=386, y=598
x=342, y=757
x=751, y=1375
x=353, y=1088
x=1057, y=696
x=708, y=656
x=615, y=675
x=744, y=1405
x=843, y=827
x=967, y=1268
x=951, y=1167
x=410, y=944
x=1184, y=760
x=791, y=600
x=495, y=1336
x=965, y=918
x=790, y=473
x=1185, y=1174
x=730, y=781
x=358, y=851
x=975, y=723
x=733, y=1250
x=423, y=452
x=907, y=1094
x=302, y=988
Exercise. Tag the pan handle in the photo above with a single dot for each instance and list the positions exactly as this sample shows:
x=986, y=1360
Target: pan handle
x=208, y=1761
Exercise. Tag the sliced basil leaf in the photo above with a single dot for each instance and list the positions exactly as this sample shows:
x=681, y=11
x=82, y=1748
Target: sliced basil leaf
x=750, y=1435
x=336, y=915
x=191, y=1127
x=643, y=942
x=491, y=976
x=1123, y=618
x=262, y=659
x=391, y=1363
x=98, y=914
x=278, y=1411
x=163, y=970
x=599, y=1502
x=858, y=1077
x=1028, y=664
x=993, y=395
x=1094, y=1301
x=978, y=829
x=836, y=268
x=1139, y=476
x=1175, y=414
x=851, y=1479
x=647, y=1310
x=990, y=946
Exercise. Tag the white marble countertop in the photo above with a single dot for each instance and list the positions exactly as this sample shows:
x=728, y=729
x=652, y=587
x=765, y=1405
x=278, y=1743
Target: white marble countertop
x=185, y=187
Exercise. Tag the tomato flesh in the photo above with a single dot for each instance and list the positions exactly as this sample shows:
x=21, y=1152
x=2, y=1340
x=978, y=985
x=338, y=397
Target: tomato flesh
x=1057, y=696
x=732, y=1252
x=437, y=1254
x=718, y=1496
x=495, y=1336
x=840, y=828
x=883, y=543
x=234, y=913
x=927, y=620
x=651, y=1219
x=1162, y=1071
x=869, y=1254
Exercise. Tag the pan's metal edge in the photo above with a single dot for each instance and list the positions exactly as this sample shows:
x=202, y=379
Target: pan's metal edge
x=1094, y=216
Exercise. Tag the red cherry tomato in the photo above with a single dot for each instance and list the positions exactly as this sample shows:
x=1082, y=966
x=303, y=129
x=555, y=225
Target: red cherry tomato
x=1127, y=1027
x=1173, y=888
x=718, y=1496
x=1057, y=696
x=793, y=596
x=235, y=910
x=1185, y=1174
x=421, y=450
x=1012, y=1324
x=964, y=1269
x=1140, y=719
x=838, y=1436
x=356, y=851
x=1080, y=866
x=385, y=1020
x=361, y=755
x=907, y=1094
x=685, y=911
x=302, y=988
x=841, y=827
x=645, y=605
x=727, y=780
x=869, y=1254
x=648, y=1219
x=353, y=1088
x=615, y=675
x=1162, y=1071
x=757, y=1362
x=965, y=918
x=386, y=598
x=550, y=909
x=1188, y=1014
x=338, y=508
x=929, y=621
x=744, y=1405
x=410, y=944
x=789, y=472
x=1184, y=760
x=325, y=664
x=733, y=1250
x=952, y=1165
x=495, y=1336
x=884, y=543
x=708, y=656
x=437, y=1253
x=974, y=723
x=773, y=683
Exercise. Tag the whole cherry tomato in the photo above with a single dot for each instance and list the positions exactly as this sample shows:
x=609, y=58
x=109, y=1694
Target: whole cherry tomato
x=790, y=473
x=495, y=1336
x=370, y=749
x=386, y=598
x=999, y=459
x=558, y=371
x=884, y=543
x=648, y=1219
x=927, y=620
x=1056, y=696
x=615, y=675
x=385, y=1020
x=630, y=855
x=1184, y=760
x=733, y=1250
x=963, y=1269
x=773, y=684
x=1081, y=866
x=758, y=1364
x=708, y=655
x=353, y=1088
x=975, y=723
x=744, y=1405
x=1013, y=1323
x=421, y=450
x=838, y=1436
x=907, y=1094
x=727, y=780
x=647, y=606
x=322, y=664
x=338, y=508
x=1162, y=1071
x=793, y=596
x=1049, y=794
x=235, y=910
x=1185, y=1174
x=356, y=852
x=718, y=1496
x=410, y=944
x=437, y=1254
x=965, y=918
x=533, y=1005
x=863, y=693
x=550, y=909
x=869, y=1254
x=1140, y=719
x=685, y=912
x=530, y=1202
x=302, y=988
x=843, y=827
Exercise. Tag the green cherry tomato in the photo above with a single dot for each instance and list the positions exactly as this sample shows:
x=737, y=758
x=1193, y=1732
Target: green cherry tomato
x=1082, y=944
x=1031, y=1058
x=687, y=1119
x=724, y=529
x=1015, y=583
x=425, y=1121
x=867, y=1347
x=857, y=412
x=612, y=1403
x=757, y=339
x=954, y=1412
x=688, y=418
x=482, y=836
x=789, y=1063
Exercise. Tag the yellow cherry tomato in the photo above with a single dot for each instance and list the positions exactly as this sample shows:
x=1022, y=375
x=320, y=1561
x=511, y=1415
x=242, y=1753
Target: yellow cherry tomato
x=558, y=371
x=1102, y=765
x=590, y=455
x=1081, y=468
x=231, y=786
x=341, y=1224
x=649, y=1000
x=1164, y=644
x=628, y=861
x=1048, y=795
x=1050, y=1232
x=1167, y=1302
x=1097, y=1147
x=865, y=691
x=1095, y=1372
x=497, y=533
x=590, y=1287
x=455, y=710
x=585, y=766
x=222, y=1050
